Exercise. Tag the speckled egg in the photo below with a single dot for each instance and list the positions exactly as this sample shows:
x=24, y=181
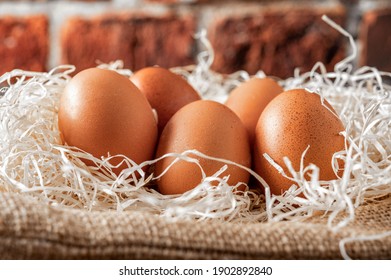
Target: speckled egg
x=211, y=128
x=289, y=124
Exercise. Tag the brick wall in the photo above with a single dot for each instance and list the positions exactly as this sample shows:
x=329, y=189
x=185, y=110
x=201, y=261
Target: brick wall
x=272, y=35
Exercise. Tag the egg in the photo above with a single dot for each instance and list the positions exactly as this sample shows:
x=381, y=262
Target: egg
x=250, y=98
x=103, y=113
x=211, y=128
x=289, y=124
x=166, y=91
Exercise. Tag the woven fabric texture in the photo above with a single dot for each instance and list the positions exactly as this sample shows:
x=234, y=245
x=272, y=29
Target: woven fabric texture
x=32, y=230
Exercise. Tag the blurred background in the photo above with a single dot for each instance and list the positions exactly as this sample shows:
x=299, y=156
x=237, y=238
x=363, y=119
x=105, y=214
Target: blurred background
x=270, y=35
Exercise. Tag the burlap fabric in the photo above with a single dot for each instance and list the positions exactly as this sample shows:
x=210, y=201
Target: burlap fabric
x=32, y=230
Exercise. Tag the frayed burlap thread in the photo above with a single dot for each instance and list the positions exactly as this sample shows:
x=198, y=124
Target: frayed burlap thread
x=30, y=229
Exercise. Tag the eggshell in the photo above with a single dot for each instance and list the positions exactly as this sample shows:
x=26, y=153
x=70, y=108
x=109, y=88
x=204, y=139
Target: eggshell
x=166, y=91
x=250, y=98
x=211, y=128
x=289, y=124
x=103, y=113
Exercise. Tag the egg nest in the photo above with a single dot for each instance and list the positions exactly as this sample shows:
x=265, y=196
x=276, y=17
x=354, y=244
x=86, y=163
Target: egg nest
x=34, y=162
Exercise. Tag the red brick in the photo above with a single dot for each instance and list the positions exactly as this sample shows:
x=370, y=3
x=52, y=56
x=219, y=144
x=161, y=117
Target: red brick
x=277, y=41
x=138, y=40
x=84, y=0
x=24, y=43
x=176, y=1
x=21, y=1
x=54, y=0
x=375, y=36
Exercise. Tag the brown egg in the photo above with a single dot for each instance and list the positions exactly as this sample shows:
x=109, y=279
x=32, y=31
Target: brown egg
x=210, y=128
x=103, y=113
x=249, y=99
x=289, y=124
x=166, y=91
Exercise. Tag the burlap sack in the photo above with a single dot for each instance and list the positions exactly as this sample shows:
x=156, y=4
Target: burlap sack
x=32, y=230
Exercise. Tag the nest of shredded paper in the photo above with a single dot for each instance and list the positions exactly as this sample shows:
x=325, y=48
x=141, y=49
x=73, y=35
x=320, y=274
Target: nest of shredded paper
x=33, y=161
